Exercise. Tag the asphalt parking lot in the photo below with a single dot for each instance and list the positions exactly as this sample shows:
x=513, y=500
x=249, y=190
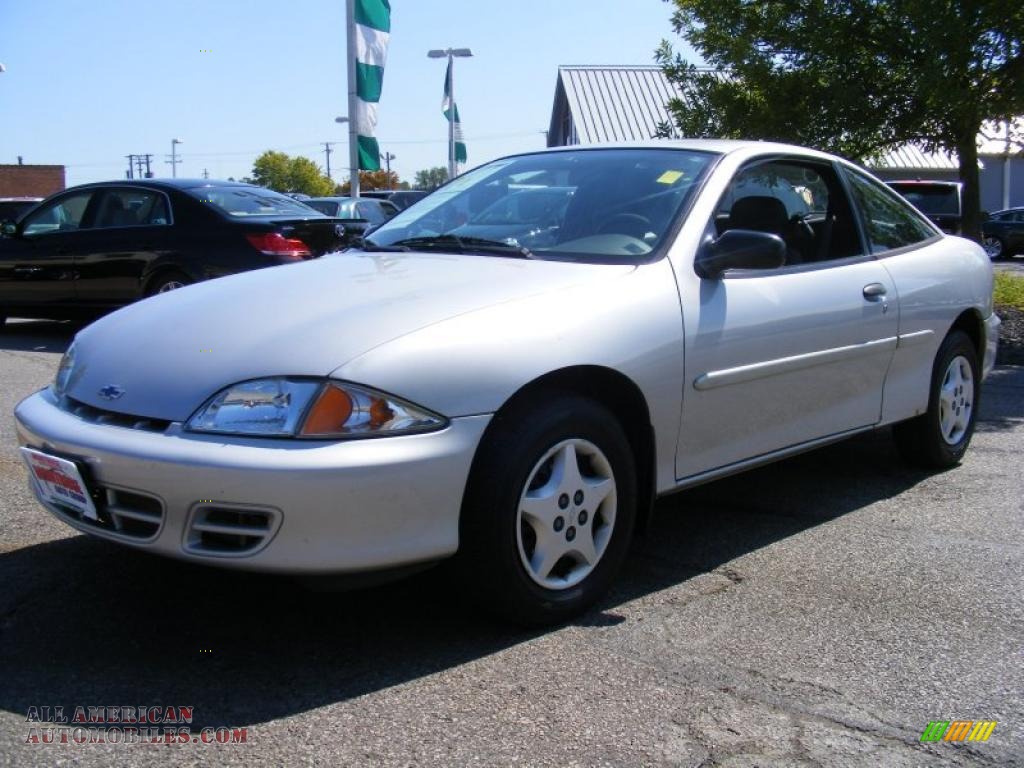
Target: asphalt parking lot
x=820, y=611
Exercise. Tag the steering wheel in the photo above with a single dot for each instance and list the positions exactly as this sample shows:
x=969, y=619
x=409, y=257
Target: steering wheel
x=632, y=224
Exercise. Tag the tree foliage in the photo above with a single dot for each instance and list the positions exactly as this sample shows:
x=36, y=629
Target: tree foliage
x=280, y=172
x=855, y=77
x=430, y=178
x=372, y=180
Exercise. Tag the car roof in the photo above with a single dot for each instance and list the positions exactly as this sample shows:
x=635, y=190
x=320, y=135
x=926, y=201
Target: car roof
x=20, y=199
x=331, y=199
x=166, y=184
x=719, y=146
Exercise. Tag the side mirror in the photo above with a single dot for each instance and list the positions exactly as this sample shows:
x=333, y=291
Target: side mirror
x=8, y=228
x=740, y=249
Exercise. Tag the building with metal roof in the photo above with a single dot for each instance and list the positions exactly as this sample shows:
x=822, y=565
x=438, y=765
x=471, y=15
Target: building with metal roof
x=605, y=103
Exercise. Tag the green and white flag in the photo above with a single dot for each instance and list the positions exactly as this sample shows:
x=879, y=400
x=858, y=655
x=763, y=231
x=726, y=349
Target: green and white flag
x=451, y=111
x=372, y=32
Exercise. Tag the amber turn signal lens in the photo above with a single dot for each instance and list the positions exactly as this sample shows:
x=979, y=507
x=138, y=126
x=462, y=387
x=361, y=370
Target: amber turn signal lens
x=329, y=413
x=380, y=412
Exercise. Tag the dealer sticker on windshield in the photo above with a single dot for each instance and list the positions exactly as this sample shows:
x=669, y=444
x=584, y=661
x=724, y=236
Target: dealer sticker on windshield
x=58, y=481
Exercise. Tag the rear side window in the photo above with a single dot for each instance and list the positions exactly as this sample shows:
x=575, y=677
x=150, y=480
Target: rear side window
x=61, y=215
x=132, y=208
x=890, y=222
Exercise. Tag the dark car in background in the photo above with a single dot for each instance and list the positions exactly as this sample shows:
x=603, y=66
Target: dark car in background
x=1002, y=233
x=400, y=198
x=13, y=208
x=940, y=201
x=96, y=247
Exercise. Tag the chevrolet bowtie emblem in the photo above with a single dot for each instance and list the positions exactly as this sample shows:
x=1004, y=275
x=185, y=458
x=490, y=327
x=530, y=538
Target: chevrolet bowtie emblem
x=111, y=392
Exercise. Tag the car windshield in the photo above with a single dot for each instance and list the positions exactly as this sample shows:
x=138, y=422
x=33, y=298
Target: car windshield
x=594, y=205
x=931, y=198
x=251, y=201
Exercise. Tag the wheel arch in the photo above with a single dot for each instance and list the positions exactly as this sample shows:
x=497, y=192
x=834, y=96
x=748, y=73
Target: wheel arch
x=972, y=323
x=158, y=271
x=617, y=392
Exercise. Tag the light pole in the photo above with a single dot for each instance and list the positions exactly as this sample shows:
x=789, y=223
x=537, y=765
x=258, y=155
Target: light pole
x=388, y=157
x=450, y=54
x=174, y=157
x=353, y=173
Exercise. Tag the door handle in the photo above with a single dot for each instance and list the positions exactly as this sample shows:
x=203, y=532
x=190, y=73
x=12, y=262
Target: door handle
x=27, y=270
x=874, y=291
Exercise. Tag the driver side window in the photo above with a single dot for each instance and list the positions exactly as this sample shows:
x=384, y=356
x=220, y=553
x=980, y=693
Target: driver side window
x=61, y=215
x=803, y=202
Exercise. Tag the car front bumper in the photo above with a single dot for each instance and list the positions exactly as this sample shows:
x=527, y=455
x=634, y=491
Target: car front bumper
x=992, y=324
x=273, y=505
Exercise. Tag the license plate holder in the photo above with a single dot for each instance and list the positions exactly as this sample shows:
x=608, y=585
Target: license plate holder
x=59, y=482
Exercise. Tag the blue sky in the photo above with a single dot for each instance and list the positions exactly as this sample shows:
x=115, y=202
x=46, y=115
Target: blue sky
x=89, y=82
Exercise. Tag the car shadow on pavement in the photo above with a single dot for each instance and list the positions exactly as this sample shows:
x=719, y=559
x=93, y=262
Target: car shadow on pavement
x=38, y=335
x=84, y=622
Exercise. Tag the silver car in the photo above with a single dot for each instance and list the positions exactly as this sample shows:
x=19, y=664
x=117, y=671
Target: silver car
x=698, y=308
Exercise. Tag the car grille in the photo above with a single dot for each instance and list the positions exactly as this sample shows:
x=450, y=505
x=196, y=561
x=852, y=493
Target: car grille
x=127, y=513
x=101, y=416
x=228, y=530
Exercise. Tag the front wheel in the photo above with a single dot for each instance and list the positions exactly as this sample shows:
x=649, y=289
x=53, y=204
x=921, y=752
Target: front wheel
x=939, y=438
x=549, y=510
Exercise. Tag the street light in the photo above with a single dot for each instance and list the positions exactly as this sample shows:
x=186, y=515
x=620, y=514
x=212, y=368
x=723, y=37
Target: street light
x=450, y=54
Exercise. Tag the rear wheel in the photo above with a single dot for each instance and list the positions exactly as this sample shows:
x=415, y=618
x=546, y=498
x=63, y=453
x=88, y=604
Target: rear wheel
x=549, y=511
x=939, y=437
x=168, y=281
x=994, y=247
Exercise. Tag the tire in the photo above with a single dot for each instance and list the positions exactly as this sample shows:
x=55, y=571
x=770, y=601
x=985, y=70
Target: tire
x=994, y=247
x=939, y=438
x=503, y=541
x=168, y=281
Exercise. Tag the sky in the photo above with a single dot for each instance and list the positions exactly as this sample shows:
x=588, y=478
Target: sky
x=89, y=82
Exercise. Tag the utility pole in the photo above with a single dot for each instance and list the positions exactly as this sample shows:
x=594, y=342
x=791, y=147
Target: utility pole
x=138, y=164
x=174, y=157
x=149, y=173
x=388, y=157
x=206, y=174
x=327, y=152
x=131, y=172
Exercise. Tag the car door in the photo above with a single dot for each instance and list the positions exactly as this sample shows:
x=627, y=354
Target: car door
x=37, y=263
x=776, y=358
x=131, y=228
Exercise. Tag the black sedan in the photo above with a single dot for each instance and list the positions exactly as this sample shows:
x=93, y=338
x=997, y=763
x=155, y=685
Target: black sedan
x=96, y=247
x=1003, y=233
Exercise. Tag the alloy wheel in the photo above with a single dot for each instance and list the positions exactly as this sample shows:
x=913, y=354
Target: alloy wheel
x=956, y=400
x=566, y=514
x=993, y=247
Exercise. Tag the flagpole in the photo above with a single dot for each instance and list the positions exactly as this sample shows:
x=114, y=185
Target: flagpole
x=452, y=169
x=353, y=111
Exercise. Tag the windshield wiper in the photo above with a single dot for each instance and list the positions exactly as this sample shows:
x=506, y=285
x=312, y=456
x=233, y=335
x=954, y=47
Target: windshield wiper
x=468, y=245
x=368, y=245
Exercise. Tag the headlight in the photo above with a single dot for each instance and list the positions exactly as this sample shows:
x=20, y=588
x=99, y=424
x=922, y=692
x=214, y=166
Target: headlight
x=310, y=408
x=64, y=371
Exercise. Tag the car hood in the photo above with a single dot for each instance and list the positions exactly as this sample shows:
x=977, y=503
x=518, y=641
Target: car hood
x=165, y=356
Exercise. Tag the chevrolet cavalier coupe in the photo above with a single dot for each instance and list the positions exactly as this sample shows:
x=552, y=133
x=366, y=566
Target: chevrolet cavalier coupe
x=696, y=308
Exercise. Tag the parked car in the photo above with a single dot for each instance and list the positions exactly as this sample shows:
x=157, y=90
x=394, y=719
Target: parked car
x=97, y=247
x=1003, y=233
x=361, y=215
x=400, y=198
x=434, y=395
x=940, y=201
x=12, y=208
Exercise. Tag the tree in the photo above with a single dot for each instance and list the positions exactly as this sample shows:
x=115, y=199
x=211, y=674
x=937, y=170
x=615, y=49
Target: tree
x=280, y=172
x=855, y=77
x=372, y=180
x=431, y=178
